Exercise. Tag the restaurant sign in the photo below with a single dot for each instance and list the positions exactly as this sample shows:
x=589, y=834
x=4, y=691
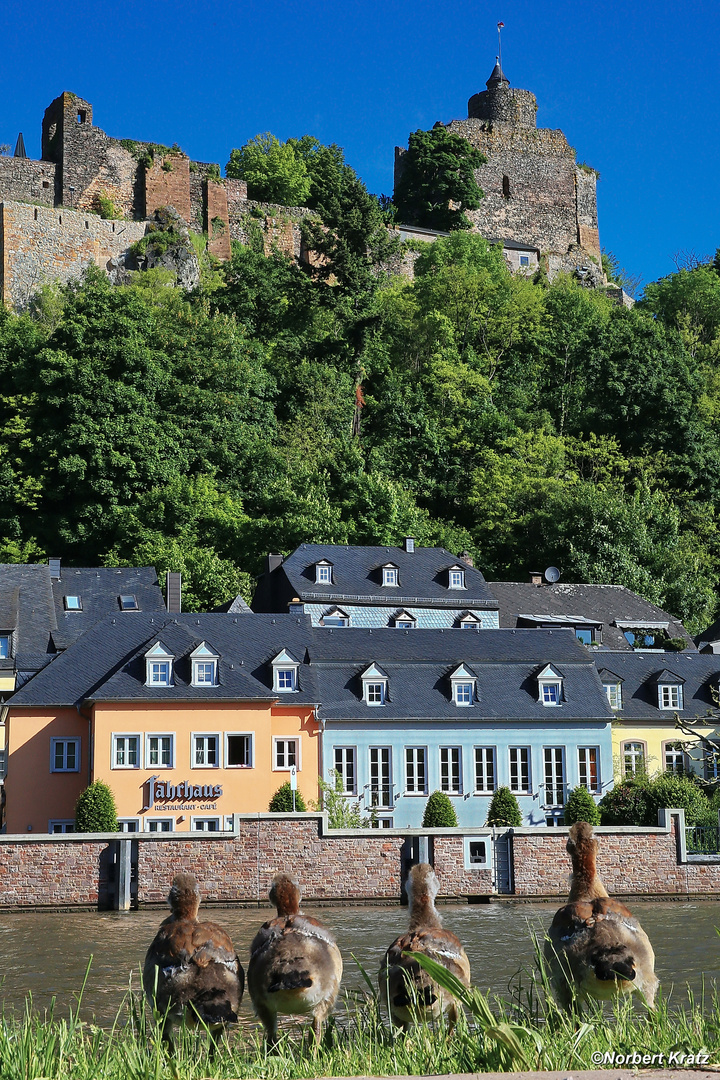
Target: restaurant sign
x=164, y=792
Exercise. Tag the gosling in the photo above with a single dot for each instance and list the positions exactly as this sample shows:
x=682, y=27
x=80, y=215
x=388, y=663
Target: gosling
x=295, y=965
x=595, y=947
x=191, y=970
x=406, y=990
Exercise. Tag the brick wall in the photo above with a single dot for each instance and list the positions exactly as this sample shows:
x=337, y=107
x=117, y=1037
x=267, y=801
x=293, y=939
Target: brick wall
x=167, y=183
x=40, y=244
x=53, y=873
x=218, y=223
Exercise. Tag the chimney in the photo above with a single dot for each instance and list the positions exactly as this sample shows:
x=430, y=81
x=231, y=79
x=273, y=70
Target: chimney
x=536, y=577
x=409, y=544
x=273, y=561
x=466, y=558
x=173, y=592
x=54, y=565
x=296, y=606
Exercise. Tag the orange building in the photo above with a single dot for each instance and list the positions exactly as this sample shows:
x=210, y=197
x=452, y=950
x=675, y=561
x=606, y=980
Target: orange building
x=188, y=718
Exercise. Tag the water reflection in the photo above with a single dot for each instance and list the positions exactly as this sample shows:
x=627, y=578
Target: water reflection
x=46, y=954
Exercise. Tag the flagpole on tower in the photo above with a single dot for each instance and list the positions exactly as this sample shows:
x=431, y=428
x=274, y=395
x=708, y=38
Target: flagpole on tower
x=500, y=25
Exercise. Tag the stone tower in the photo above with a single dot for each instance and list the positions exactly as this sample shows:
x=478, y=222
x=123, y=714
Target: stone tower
x=534, y=191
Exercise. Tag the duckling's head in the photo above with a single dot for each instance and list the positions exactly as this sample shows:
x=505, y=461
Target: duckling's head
x=184, y=896
x=285, y=894
x=580, y=841
x=422, y=886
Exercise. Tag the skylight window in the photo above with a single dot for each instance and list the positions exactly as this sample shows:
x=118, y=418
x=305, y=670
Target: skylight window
x=73, y=603
x=128, y=602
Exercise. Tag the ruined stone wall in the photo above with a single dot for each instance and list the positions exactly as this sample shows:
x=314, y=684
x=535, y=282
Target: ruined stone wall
x=218, y=222
x=42, y=244
x=266, y=226
x=27, y=181
x=587, y=215
x=167, y=183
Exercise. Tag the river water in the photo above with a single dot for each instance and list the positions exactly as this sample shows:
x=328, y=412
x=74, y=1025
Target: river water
x=46, y=954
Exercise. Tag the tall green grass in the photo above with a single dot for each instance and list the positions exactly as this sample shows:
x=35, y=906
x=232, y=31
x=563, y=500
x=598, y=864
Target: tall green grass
x=524, y=1030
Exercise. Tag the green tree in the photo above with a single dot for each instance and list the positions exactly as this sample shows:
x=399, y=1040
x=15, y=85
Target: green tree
x=581, y=806
x=504, y=809
x=95, y=809
x=282, y=801
x=439, y=812
x=274, y=171
x=341, y=812
x=437, y=181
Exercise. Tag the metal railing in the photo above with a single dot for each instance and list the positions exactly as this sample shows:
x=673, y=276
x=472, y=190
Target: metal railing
x=702, y=839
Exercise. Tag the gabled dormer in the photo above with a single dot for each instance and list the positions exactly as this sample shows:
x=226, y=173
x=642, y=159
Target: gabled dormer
x=323, y=572
x=469, y=621
x=463, y=683
x=285, y=673
x=204, y=662
x=390, y=575
x=375, y=685
x=612, y=685
x=670, y=691
x=455, y=576
x=159, y=666
x=404, y=620
x=335, y=617
x=550, y=687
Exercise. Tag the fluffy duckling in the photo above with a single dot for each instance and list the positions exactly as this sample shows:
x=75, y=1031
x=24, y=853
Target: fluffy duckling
x=295, y=966
x=407, y=991
x=191, y=968
x=594, y=945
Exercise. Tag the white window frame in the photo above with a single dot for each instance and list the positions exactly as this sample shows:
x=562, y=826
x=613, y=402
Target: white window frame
x=390, y=577
x=416, y=764
x=380, y=788
x=456, y=578
x=241, y=735
x=550, y=689
x=336, y=617
x=477, y=860
x=205, y=662
x=160, y=821
x=634, y=757
x=463, y=693
x=613, y=692
x=585, y=768
x=470, y=622
x=149, y=763
x=670, y=697
x=520, y=765
x=282, y=672
x=450, y=758
x=63, y=768
x=554, y=776
x=125, y=821
x=275, y=747
x=405, y=621
x=323, y=573
x=197, y=823
x=218, y=748
x=158, y=655
x=67, y=825
x=113, y=751
x=482, y=757
x=675, y=749
x=347, y=755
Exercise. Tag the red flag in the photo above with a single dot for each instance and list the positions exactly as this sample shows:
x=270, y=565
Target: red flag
x=501, y=25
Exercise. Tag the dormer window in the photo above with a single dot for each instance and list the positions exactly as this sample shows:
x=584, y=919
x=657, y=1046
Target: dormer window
x=335, y=617
x=550, y=687
x=159, y=666
x=405, y=621
x=613, y=692
x=463, y=683
x=670, y=696
x=4, y=646
x=470, y=622
x=285, y=673
x=375, y=686
x=323, y=572
x=390, y=576
x=456, y=577
x=204, y=666
x=73, y=603
x=128, y=602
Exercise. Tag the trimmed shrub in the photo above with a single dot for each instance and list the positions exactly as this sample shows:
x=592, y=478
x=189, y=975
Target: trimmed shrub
x=636, y=800
x=282, y=801
x=439, y=812
x=627, y=803
x=504, y=809
x=581, y=807
x=95, y=810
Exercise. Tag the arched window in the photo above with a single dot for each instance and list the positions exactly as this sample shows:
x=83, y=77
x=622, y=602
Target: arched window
x=506, y=187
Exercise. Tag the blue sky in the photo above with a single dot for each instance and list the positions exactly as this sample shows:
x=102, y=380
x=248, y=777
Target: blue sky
x=634, y=87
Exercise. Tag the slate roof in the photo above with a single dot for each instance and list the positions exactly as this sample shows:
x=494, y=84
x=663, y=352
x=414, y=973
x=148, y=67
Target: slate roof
x=641, y=672
x=100, y=589
x=419, y=663
x=357, y=579
x=600, y=604
x=108, y=662
x=712, y=634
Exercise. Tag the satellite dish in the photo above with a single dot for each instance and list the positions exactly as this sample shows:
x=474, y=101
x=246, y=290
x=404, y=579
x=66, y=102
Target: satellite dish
x=552, y=574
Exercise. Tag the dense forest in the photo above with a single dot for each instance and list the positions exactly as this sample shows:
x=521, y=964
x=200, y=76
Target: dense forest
x=528, y=422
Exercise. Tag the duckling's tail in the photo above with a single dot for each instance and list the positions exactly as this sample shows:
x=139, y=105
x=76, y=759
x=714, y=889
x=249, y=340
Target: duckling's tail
x=613, y=963
x=289, y=980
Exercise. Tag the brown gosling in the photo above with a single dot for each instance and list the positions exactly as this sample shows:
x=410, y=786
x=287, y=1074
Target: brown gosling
x=295, y=965
x=191, y=969
x=406, y=990
x=595, y=947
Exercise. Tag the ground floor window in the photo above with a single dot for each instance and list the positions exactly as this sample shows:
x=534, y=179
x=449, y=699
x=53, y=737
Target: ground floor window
x=160, y=825
x=62, y=826
x=381, y=788
x=588, y=771
x=129, y=824
x=206, y=824
x=554, y=761
x=674, y=758
x=633, y=758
